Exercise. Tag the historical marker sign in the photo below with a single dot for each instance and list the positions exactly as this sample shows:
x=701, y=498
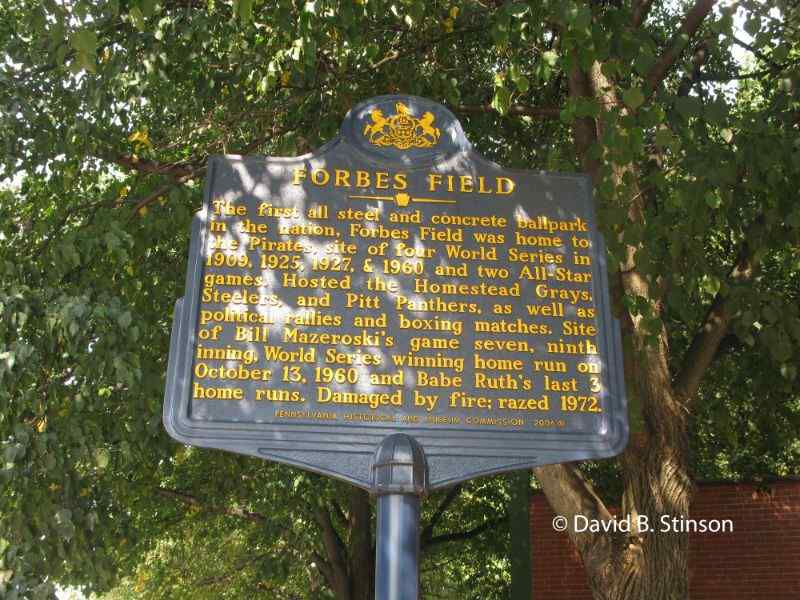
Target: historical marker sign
x=396, y=281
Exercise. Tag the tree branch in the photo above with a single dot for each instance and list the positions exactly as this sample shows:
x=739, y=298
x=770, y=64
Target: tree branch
x=148, y=166
x=569, y=494
x=56, y=230
x=452, y=494
x=691, y=23
x=756, y=52
x=361, y=552
x=739, y=76
x=463, y=535
x=698, y=60
x=706, y=342
x=584, y=129
x=515, y=109
x=336, y=551
x=181, y=174
x=338, y=512
x=395, y=54
x=703, y=348
x=153, y=196
x=226, y=576
x=227, y=510
x=324, y=568
x=641, y=9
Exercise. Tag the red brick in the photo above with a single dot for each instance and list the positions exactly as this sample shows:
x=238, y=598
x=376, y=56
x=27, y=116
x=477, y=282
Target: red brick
x=758, y=559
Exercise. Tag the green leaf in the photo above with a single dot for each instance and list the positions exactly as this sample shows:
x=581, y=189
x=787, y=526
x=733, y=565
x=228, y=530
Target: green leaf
x=727, y=135
x=125, y=319
x=717, y=111
x=7, y=360
x=371, y=51
x=644, y=63
x=753, y=25
x=781, y=351
x=61, y=53
x=518, y=8
x=780, y=52
x=770, y=314
x=43, y=591
x=64, y=525
x=793, y=220
x=137, y=17
x=84, y=41
x=501, y=100
x=633, y=98
x=88, y=62
x=11, y=452
x=579, y=17
x=520, y=80
x=550, y=57
x=710, y=284
x=38, y=22
x=111, y=240
x=499, y=33
x=688, y=106
x=663, y=137
x=101, y=458
x=245, y=9
x=149, y=7
x=713, y=200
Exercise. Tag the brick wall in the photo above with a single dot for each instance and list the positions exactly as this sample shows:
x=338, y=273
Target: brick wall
x=759, y=559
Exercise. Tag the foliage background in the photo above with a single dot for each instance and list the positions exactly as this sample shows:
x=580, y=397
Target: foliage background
x=109, y=112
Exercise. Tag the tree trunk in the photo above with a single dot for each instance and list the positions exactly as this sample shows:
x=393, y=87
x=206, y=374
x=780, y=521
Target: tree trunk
x=362, y=552
x=519, y=518
x=645, y=564
x=349, y=562
x=639, y=565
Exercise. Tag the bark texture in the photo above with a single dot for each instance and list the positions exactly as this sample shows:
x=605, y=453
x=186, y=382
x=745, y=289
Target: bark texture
x=348, y=563
x=640, y=565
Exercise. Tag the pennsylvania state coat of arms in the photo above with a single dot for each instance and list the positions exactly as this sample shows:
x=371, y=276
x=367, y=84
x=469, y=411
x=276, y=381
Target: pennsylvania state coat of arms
x=401, y=130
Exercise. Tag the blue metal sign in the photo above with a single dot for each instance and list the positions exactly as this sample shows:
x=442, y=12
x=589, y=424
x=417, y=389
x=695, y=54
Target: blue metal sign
x=394, y=281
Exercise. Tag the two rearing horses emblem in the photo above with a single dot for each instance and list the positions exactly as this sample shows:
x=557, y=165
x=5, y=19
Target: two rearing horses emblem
x=402, y=130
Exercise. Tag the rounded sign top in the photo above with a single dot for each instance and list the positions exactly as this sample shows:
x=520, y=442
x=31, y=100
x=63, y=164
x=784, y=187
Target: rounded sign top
x=408, y=130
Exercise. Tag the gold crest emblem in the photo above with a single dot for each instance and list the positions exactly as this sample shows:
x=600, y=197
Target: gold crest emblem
x=402, y=130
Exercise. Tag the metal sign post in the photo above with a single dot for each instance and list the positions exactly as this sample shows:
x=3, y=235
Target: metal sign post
x=400, y=477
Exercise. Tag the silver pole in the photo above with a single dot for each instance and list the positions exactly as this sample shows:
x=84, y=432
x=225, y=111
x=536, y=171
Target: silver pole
x=399, y=480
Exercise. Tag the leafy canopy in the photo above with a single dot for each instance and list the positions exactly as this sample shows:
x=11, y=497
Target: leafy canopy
x=109, y=112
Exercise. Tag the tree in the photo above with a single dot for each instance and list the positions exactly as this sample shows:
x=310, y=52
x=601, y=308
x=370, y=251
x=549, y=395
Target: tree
x=110, y=110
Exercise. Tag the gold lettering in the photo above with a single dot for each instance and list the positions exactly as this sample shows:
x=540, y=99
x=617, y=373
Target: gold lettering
x=320, y=176
x=362, y=179
x=381, y=180
x=299, y=175
x=342, y=178
x=214, y=393
x=505, y=186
